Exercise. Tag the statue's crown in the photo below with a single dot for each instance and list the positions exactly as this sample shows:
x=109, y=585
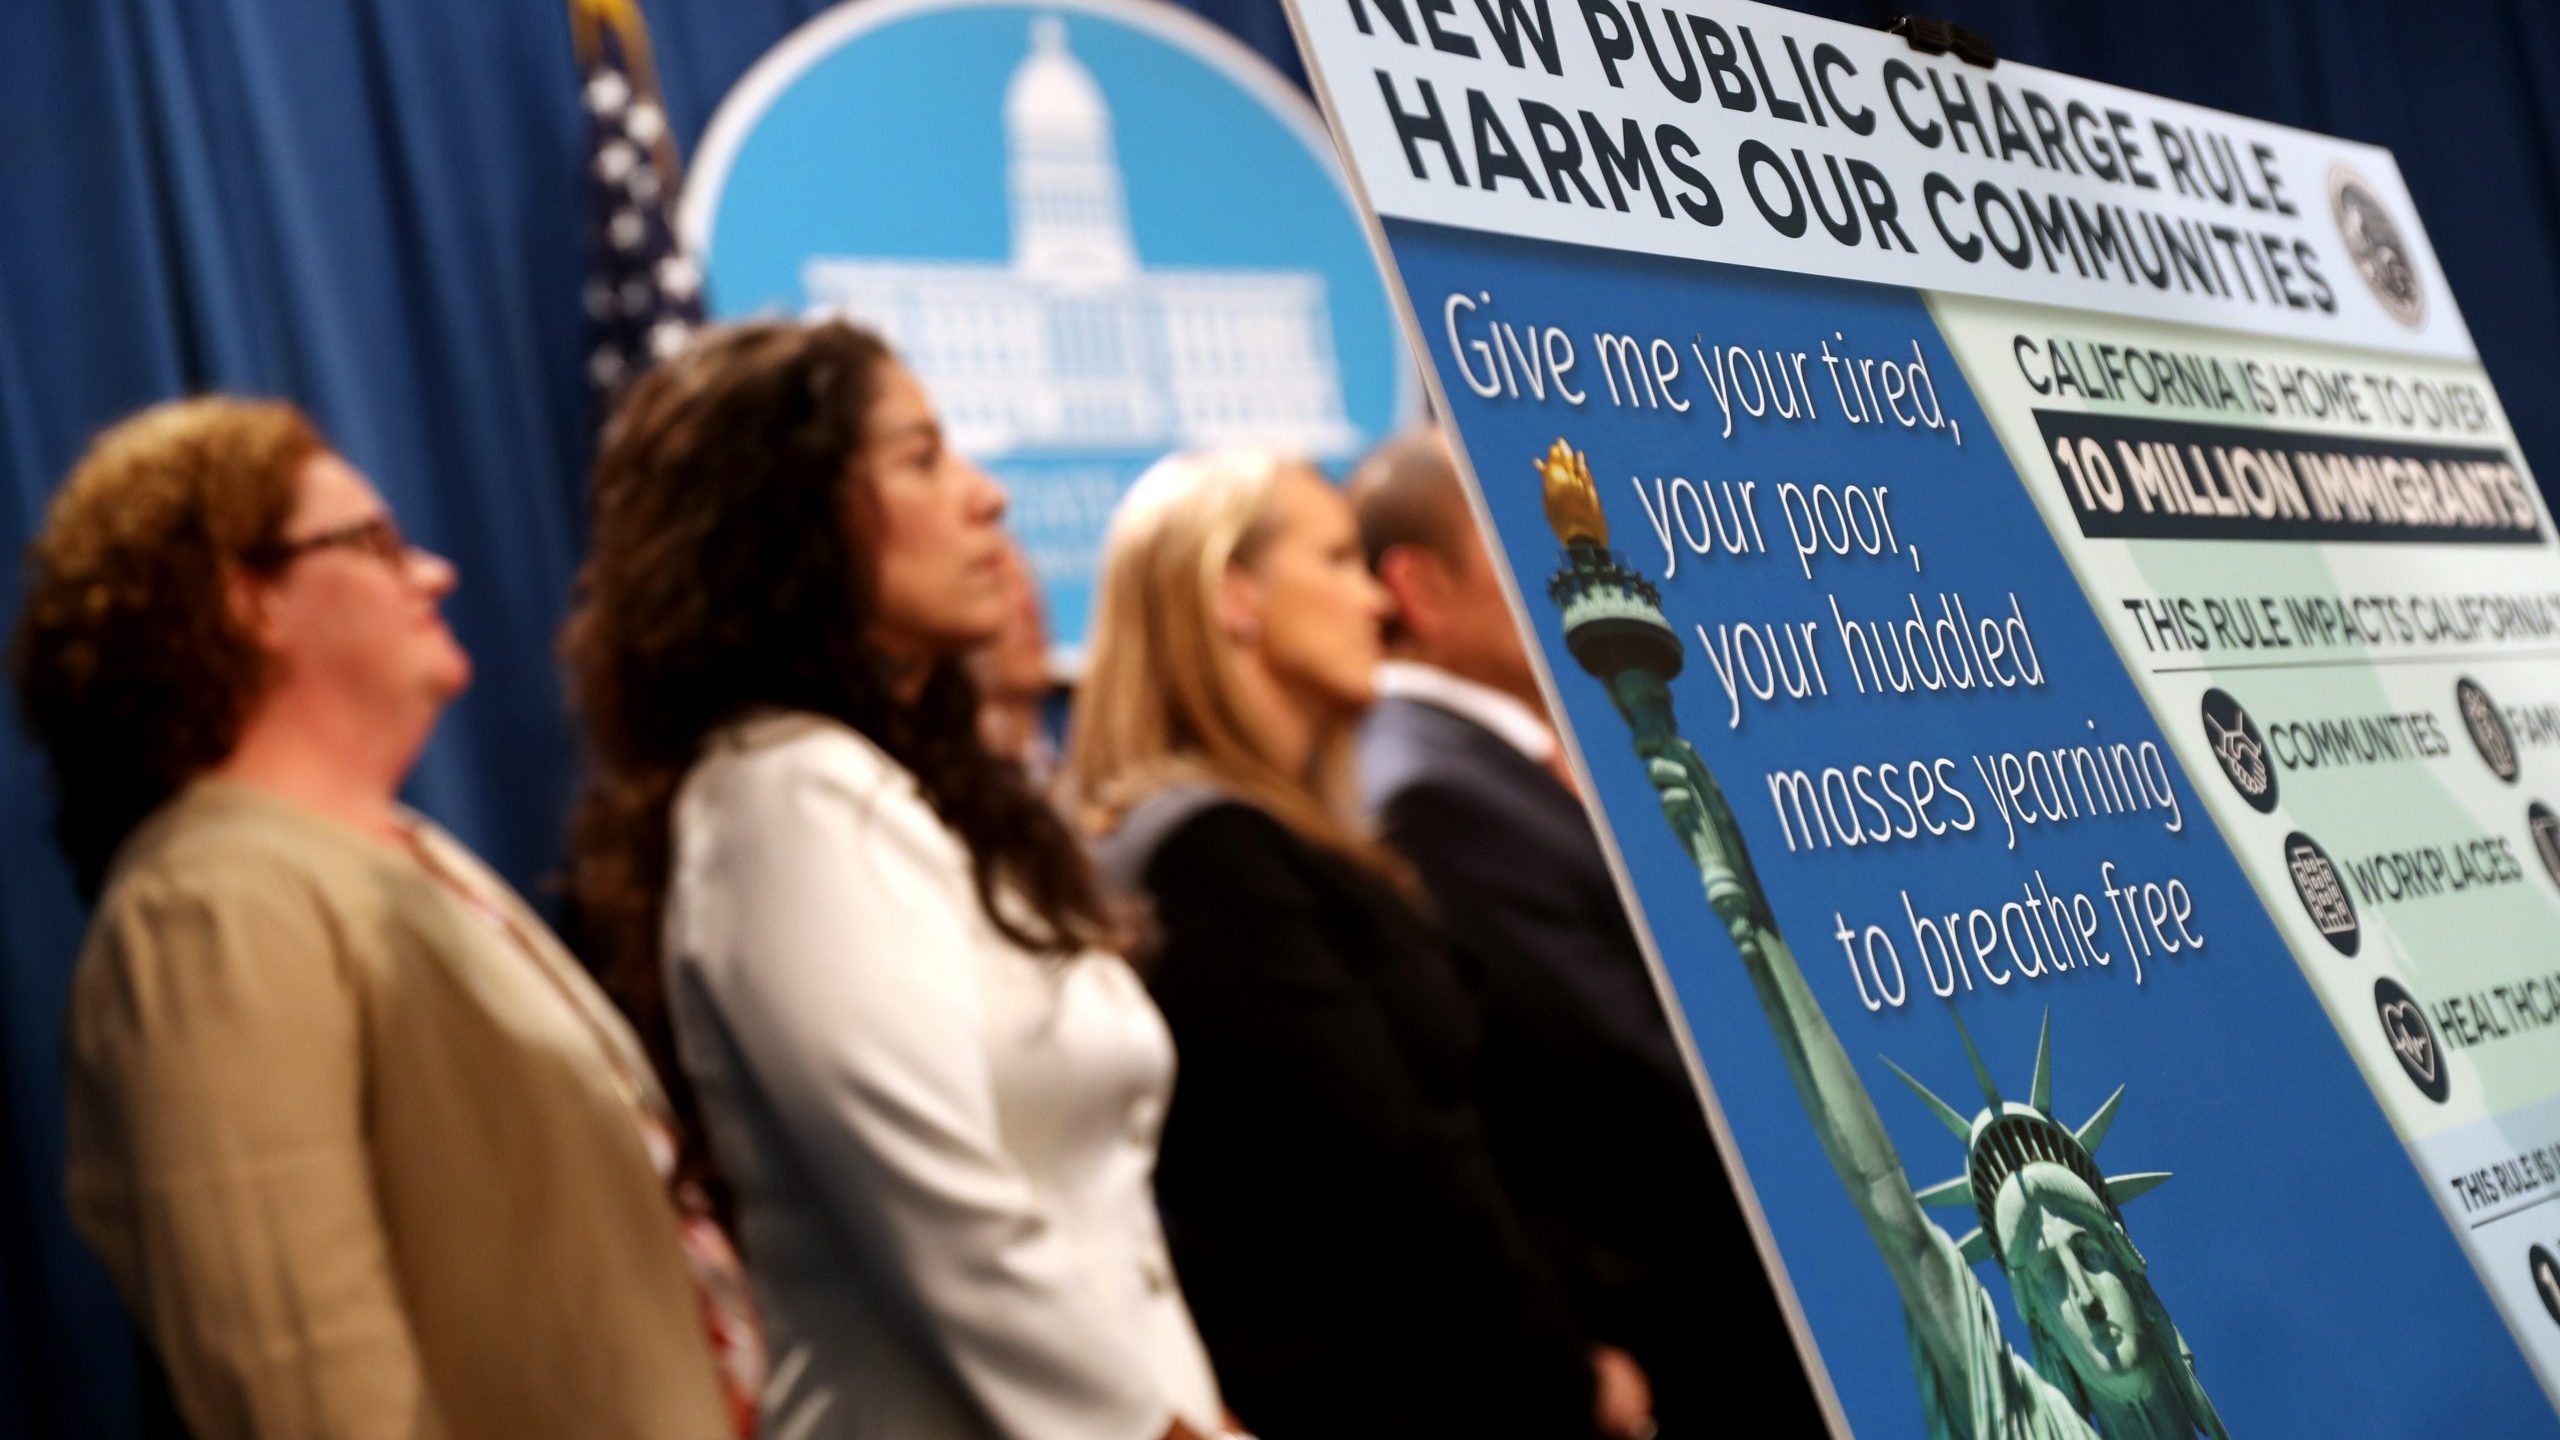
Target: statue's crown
x=1573, y=502
x=2007, y=1136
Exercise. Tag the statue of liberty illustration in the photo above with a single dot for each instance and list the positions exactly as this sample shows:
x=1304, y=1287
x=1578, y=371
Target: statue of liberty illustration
x=2102, y=1357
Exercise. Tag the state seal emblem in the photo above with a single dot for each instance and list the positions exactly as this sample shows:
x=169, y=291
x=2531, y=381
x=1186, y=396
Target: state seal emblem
x=2374, y=242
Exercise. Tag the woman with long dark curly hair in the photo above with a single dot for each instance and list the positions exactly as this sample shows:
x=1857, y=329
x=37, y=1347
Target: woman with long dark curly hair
x=879, y=957
x=364, y=1150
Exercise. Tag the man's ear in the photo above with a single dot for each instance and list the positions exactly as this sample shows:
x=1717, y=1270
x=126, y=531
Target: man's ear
x=1418, y=582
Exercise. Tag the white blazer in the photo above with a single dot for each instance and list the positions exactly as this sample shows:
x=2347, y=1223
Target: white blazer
x=942, y=1146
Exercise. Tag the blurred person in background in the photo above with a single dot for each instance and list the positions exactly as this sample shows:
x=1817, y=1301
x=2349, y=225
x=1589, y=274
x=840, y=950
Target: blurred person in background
x=1012, y=675
x=362, y=1147
x=931, y=1087
x=1589, y=1111
x=1356, y=1267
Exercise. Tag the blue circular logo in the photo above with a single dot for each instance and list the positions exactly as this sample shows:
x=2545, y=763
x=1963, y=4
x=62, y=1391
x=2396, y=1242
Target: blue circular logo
x=1098, y=231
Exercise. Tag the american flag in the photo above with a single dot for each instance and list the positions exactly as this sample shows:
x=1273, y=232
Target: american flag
x=643, y=293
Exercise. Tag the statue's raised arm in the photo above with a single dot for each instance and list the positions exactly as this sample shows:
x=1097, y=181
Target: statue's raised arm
x=1835, y=1099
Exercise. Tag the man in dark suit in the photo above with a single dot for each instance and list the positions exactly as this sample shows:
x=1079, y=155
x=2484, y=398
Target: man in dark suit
x=1588, y=1108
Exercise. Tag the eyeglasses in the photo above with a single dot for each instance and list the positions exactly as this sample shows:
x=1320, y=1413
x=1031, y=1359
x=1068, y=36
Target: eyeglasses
x=378, y=536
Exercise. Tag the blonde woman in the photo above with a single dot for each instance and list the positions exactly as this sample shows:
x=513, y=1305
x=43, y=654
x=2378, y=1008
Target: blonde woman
x=1350, y=1259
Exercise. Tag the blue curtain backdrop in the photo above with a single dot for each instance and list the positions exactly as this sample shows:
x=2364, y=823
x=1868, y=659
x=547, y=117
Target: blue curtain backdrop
x=372, y=207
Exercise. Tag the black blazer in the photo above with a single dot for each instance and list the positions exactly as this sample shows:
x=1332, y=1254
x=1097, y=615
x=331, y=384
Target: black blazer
x=1590, y=1115
x=1353, y=1266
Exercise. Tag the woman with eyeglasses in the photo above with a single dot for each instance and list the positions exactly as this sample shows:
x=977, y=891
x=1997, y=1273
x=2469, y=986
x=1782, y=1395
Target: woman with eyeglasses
x=881, y=958
x=361, y=1146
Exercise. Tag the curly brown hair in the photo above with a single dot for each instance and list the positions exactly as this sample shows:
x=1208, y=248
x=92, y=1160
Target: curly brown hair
x=731, y=572
x=131, y=673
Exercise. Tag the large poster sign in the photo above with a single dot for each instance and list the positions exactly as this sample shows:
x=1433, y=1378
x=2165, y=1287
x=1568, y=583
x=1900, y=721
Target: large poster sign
x=1098, y=230
x=2346, y=617
x=2057, y=630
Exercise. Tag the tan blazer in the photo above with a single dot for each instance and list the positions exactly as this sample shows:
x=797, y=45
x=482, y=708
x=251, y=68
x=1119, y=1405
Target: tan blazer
x=358, y=1163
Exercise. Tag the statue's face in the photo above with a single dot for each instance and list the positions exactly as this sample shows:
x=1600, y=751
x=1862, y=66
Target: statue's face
x=2081, y=1281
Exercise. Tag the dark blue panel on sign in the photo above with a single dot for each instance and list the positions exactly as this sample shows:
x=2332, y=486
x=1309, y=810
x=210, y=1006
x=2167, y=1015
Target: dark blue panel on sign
x=1952, y=799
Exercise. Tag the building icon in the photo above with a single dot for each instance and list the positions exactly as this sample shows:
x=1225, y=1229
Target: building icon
x=1072, y=345
x=2317, y=881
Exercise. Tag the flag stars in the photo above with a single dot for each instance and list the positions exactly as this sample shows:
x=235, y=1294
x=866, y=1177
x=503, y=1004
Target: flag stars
x=608, y=93
x=642, y=297
x=614, y=162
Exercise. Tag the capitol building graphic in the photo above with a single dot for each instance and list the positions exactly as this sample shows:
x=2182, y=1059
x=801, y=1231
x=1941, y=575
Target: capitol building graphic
x=1072, y=345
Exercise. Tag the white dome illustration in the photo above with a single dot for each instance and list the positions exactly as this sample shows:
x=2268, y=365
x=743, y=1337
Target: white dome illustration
x=1052, y=99
x=1069, y=220
x=1072, y=345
